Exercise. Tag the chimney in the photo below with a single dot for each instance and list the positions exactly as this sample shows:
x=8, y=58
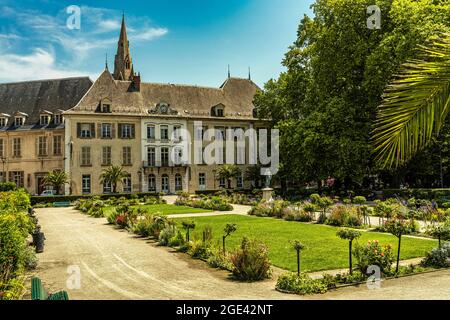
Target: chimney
x=137, y=82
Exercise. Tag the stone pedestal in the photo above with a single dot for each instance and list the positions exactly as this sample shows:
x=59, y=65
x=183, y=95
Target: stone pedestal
x=267, y=194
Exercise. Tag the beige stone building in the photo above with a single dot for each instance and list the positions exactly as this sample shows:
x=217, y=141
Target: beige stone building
x=32, y=128
x=150, y=128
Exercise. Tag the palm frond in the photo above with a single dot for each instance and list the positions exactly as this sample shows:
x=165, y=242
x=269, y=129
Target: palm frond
x=415, y=106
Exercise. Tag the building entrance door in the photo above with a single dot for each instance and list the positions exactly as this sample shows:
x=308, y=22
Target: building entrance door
x=40, y=185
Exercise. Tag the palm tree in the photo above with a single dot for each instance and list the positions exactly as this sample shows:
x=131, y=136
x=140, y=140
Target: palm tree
x=415, y=105
x=113, y=175
x=228, y=172
x=56, y=179
x=253, y=174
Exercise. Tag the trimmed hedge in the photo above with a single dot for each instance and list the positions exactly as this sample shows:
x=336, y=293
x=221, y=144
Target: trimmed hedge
x=50, y=199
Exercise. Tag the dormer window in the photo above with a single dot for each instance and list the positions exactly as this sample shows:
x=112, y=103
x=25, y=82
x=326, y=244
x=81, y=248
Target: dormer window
x=19, y=121
x=105, y=106
x=58, y=118
x=45, y=120
x=3, y=122
x=218, y=111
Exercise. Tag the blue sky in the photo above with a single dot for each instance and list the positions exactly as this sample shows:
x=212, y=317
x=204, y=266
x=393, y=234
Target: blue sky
x=177, y=41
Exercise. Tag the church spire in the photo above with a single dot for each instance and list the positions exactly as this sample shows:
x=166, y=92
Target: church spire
x=123, y=64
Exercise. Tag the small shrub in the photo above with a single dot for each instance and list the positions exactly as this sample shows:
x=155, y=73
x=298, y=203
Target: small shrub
x=438, y=257
x=344, y=216
x=251, y=261
x=373, y=253
x=199, y=250
x=302, y=284
x=217, y=259
x=167, y=234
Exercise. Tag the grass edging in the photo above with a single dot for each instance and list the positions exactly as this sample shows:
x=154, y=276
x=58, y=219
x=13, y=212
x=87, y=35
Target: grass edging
x=340, y=286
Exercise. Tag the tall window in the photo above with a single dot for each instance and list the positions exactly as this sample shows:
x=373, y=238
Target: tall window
x=126, y=152
x=2, y=122
x=127, y=184
x=17, y=148
x=151, y=157
x=177, y=133
x=86, y=156
x=17, y=178
x=165, y=183
x=42, y=146
x=151, y=183
x=106, y=156
x=107, y=187
x=164, y=157
x=239, y=181
x=2, y=146
x=222, y=183
x=126, y=131
x=19, y=121
x=86, y=130
x=86, y=184
x=57, y=145
x=164, y=133
x=178, y=156
x=106, y=131
x=202, y=181
x=151, y=132
x=58, y=118
x=45, y=119
x=178, y=182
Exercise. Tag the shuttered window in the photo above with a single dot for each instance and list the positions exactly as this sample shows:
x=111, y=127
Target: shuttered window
x=126, y=131
x=86, y=130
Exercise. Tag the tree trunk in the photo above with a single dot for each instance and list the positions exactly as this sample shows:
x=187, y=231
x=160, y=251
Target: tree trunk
x=398, y=254
x=223, y=243
x=350, y=256
x=114, y=188
x=229, y=184
x=298, y=262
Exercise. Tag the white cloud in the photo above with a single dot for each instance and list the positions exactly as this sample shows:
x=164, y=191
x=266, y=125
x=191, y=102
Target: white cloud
x=40, y=64
x=148, y=34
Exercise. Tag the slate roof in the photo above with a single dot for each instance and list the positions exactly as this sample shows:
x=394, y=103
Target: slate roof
x=42, y=96
x=188, y=101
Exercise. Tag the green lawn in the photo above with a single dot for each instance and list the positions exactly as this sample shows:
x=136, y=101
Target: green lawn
x=166, y=209
x=325, y=251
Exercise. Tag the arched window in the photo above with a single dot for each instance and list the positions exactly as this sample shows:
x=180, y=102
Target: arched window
x=165, y=183
x=178, y=182
x=151, y=183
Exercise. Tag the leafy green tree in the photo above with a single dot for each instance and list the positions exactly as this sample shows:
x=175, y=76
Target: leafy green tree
x=326, y=102
x=56, y=179
x=441, y=232
x=350, y=235
x=113, y=175
x=229, y=229
x=228, y=172
x=298, y=247
x=398, y=227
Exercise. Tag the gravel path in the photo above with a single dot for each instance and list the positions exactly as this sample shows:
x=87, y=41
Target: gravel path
x=116, y=265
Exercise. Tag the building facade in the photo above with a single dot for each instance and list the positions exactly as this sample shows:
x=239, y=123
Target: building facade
x=150, y=128
x=32, y=135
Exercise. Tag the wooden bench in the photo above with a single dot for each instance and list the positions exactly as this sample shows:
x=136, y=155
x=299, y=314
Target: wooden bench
x=38, y=292
x=61, y=204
